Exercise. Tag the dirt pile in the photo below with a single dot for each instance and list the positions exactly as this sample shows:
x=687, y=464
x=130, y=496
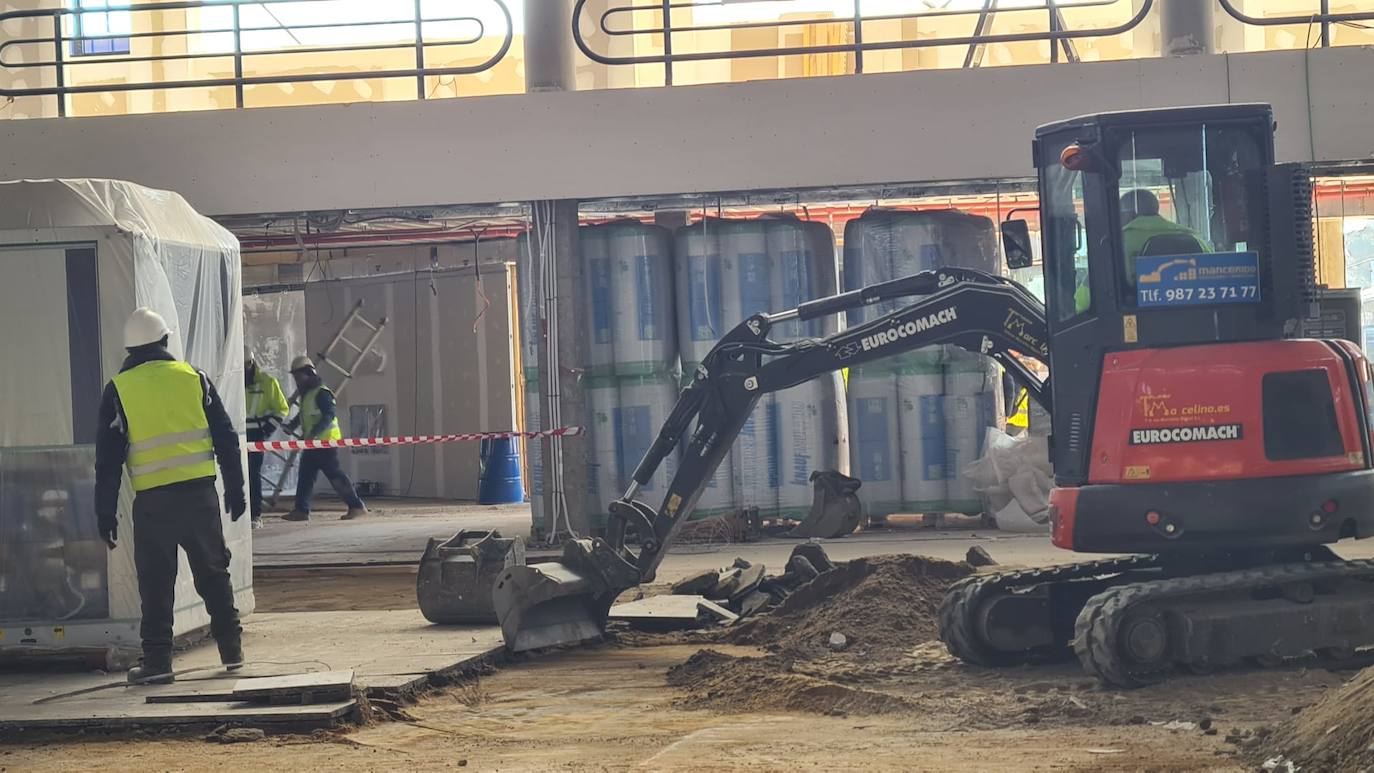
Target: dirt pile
x=1335, y=733
x=712, y=679
x=883, y=606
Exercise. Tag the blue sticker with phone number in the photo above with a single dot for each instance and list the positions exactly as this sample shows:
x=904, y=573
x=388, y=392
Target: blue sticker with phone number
x=1196, y=280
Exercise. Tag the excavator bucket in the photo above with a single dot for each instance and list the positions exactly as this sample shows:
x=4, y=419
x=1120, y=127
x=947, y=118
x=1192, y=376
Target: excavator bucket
x=835, y=509
x=456, y=576
x=560, y=603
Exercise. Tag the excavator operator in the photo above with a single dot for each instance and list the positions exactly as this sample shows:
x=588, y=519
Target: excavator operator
x=1145, y=232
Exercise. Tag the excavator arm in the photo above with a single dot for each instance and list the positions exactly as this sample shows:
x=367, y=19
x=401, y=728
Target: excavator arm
x=566, y=602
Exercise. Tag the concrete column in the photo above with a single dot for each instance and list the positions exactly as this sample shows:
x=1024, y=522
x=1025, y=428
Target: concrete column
x=549, y=67
x=549, y=46
x=1186, y=27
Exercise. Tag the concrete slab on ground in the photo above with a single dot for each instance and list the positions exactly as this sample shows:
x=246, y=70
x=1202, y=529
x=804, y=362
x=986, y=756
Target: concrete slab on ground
x=391, y=652
x=396, y=530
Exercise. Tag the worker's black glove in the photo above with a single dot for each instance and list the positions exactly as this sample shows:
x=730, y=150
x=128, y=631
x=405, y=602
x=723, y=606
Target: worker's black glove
x=108, y=526
x=235, y=504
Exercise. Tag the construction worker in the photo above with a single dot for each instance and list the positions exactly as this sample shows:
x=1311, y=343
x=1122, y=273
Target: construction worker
x=266, y=409
x=1141, y=222
x=164, y=420
x=317, y=421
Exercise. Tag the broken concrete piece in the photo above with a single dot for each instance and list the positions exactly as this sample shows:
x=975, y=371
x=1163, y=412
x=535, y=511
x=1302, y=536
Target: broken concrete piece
x=670, y=613
x=697, y=584
x=803, y=568
x=838, y=642
x=239, y=735
x=748, y=582
x=317, y=687
x=754, y=602
x=715, y=610
x=728, y=582
x=979, y=556
x=815, y=553
x=740, y=563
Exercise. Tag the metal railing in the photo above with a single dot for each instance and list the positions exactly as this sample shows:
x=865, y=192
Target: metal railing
x=59, y=52
x=1056, y=32
x=1323, y=18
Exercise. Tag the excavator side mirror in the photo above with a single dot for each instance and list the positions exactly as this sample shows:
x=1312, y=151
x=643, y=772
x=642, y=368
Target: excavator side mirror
x=1016, y=243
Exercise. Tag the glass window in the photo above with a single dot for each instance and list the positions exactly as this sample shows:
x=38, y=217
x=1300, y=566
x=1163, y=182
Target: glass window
x=1062, y=219
x=1183, y=192
x=101, y=27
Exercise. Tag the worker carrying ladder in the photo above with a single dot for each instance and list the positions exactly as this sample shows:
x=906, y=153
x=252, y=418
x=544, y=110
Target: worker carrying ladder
x=343, y=355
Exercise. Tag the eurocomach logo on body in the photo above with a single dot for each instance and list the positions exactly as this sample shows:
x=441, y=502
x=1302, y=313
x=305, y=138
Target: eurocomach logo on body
x=1145, y=437
x=911, y=328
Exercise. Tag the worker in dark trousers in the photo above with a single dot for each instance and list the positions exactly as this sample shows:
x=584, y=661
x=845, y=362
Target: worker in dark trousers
x=265, y=409
x=318, y=420
x=163, y=419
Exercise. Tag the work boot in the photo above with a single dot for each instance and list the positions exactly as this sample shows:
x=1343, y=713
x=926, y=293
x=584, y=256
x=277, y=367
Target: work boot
x=354, y=512
x=231, y=653
x=153, y=670
x=257, y=523
x=296, y=515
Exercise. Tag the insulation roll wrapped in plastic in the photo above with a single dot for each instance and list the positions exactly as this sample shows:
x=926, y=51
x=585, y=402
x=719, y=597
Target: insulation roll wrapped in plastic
x=967, y=373
x=697, y=266
x=967, y=418
x=718, y=496
x=803, y=442
x=599, y=295
x=604, y=475
x=792, y=278
x=745, y=270
x=922, y=425
x=756, y=459
x=641, y=297
x=874, y=439
x=645, y=402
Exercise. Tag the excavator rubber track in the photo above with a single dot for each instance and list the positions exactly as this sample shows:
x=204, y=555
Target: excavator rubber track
x=1135, y=634
x=961, y=614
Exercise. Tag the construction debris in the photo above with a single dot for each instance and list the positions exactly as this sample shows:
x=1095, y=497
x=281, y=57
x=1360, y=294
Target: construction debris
x=697, y=583
x=670, y=613
x=979, y=556
x=838, y=642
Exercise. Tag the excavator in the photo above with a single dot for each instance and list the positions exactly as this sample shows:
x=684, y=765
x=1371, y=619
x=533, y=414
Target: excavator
x=1198, y=438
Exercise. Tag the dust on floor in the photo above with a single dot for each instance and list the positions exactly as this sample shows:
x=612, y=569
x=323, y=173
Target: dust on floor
x=610, y=708
x=893, y=699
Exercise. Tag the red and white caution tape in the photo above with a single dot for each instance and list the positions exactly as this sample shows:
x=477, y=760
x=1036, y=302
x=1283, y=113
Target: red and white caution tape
x=403, y=440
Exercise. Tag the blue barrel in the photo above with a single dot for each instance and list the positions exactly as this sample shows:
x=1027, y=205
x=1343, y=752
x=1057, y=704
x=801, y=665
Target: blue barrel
x=500, y=479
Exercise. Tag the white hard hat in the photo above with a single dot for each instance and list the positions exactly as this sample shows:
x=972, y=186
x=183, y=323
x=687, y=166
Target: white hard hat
x=144, y=327
x=301, y=363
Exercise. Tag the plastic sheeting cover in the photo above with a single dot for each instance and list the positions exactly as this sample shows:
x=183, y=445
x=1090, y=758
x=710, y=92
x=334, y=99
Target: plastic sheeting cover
x=146, y=248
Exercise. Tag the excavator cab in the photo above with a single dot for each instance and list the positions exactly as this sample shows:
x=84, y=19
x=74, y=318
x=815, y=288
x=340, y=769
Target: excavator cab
x=1178, y=271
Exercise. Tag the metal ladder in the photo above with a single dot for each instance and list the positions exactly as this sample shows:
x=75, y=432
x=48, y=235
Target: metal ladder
x=344, y=373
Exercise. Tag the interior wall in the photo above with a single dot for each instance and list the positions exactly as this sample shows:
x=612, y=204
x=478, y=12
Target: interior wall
x=444, y=369
x=799, y=133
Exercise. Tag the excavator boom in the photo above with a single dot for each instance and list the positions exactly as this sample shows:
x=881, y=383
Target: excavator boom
x=566, y=602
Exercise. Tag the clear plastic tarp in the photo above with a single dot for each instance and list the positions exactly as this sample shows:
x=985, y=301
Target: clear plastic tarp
x=76, y=257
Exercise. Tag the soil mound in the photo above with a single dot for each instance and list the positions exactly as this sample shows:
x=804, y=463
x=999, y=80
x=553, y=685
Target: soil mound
x=712, y=679
x=1335, y=733
x=884, y=606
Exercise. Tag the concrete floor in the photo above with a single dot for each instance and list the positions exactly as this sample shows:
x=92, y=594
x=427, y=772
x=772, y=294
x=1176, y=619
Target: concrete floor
x=389, y=651
x=396, y=530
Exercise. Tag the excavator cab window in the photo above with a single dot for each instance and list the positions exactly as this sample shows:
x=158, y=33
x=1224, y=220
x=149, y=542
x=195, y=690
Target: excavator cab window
x=1183, y=212
x=1062, y=216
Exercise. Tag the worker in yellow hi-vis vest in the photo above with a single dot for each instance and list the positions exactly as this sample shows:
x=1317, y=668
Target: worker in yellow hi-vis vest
x=265, y=409
x=163, y=419
x=318, y=420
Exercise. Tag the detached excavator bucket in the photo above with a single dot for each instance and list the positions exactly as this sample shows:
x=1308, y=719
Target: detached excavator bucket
x=456, y=577
x=560, y=603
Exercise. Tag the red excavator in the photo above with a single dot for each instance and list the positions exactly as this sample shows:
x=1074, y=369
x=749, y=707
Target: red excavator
x=1194, y=428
